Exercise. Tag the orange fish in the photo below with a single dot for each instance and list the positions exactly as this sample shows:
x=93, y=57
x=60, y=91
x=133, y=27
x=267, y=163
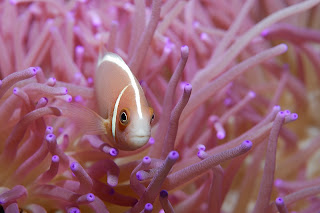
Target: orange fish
x=122, y=102
x=124, y=115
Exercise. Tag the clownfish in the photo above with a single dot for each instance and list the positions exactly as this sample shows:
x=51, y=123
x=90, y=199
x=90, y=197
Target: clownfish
x=124, y=115
x=122, y=102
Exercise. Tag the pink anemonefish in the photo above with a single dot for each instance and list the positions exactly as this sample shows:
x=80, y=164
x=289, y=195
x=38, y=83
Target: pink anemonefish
x=124, y=115
x=121, y=100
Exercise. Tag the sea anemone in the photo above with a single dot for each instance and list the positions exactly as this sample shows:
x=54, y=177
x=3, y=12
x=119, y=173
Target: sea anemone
x=226, y=79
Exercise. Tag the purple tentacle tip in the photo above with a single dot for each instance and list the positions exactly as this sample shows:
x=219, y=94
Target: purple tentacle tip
x=50, y=137
x=277, y=107
x=35, y=70
x=279, y=201
x=284, y=46
x=202, y=154
x=265, y=32
x=73, y=210
x=227, y=101
x=287, y=112
x=78, y=98
x=163, y=193
x=90, y=197
x=90, y=80
x=15, y=90
x=139, y=176
x=201, y=147
x=282, y=114
x=74, y=166
x=294, y=116
x=113, y=152
x=146, y=160
x=204, y=37
x=68, y=98
x=55, y=158
x=65, y=90
x=151, y=140
x=278, y=183
x=184, y=51
x=79, y=49
x=221, y=135
x=173, y=155
x=182, y=84
x=52, y=80
x=167, y=48
x=252, y=94
x=148, y=207
x=247, y=143
x=187, y=87
x=49, y=129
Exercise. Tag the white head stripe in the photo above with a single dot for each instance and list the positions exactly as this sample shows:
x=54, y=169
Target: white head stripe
x=114, y=58
x=115, y=112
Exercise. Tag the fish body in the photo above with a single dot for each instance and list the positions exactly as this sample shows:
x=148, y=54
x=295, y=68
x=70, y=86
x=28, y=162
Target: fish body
x=122, y=104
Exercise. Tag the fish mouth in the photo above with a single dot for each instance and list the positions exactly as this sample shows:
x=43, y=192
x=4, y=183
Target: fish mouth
x=139, y=140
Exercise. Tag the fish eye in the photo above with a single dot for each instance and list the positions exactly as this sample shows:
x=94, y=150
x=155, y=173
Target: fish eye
x=124, y=117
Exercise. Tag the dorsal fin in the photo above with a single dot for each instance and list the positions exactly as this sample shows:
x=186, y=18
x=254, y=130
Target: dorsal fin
x=102, y=52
